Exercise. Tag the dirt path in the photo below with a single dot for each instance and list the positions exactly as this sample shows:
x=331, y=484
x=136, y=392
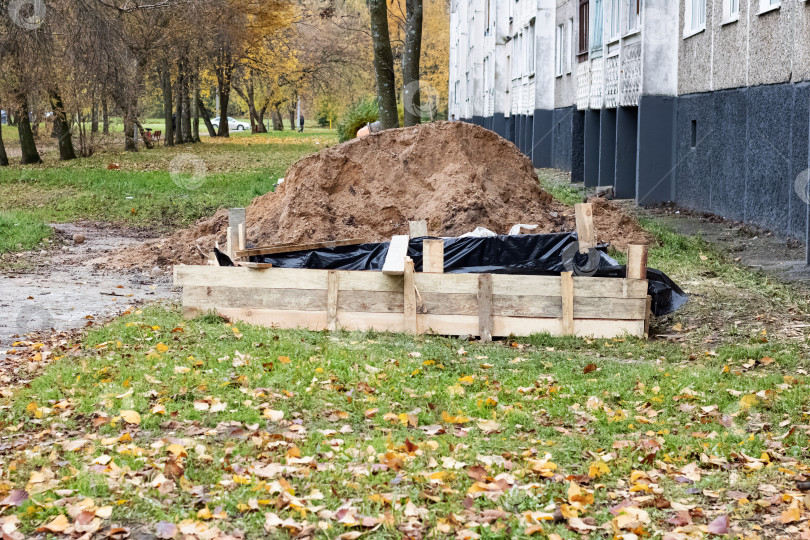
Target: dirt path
x=779, y=256
x=64, y=290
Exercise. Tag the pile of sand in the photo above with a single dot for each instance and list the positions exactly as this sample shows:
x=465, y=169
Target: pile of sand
x=457, y=176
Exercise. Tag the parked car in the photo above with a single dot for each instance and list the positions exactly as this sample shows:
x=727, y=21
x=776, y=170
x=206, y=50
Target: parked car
x=233, y=124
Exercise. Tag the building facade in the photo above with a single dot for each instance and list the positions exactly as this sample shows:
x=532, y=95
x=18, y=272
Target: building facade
x=702, y=102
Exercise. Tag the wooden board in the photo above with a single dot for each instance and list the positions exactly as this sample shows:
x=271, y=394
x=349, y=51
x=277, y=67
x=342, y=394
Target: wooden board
x=586, y=233
x=453, y=304
x=292, y=248
x=433, y=256
x=394, y=264
x=418, y=229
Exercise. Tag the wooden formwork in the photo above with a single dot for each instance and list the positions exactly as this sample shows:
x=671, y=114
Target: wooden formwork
x=485, y=305
x=401, y=300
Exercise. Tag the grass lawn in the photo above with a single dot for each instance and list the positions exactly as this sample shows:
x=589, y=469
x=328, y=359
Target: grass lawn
x=207, y=427
x=141, y=191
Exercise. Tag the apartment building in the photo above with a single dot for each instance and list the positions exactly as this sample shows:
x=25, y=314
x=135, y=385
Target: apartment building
x=701, y=102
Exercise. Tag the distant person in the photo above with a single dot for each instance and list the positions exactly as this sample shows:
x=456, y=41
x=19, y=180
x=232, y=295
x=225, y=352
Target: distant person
x=452, y=117
x=301, y=123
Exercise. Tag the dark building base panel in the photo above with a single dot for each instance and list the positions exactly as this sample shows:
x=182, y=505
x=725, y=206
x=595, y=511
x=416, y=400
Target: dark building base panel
x=743, y=154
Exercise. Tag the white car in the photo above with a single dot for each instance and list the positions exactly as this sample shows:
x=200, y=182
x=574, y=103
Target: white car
x=233, y=124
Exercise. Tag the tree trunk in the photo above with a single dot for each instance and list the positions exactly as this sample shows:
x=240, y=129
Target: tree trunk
x=206, y=117
x=105, y=115
x=278, y=121
x=224, y=72
x=410, y=63
x=383, y=64
x=178, y=114
x=28, y=147
x=130, y=144
x=3, y=156
x=291, y=111
x=187, y=138
x=168, y=103
x=195, y=109
x=94, y=117
x=262, y=128
x=66, y=150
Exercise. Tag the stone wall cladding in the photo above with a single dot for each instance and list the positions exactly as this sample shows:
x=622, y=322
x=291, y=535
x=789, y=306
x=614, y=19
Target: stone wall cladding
x=630, y=76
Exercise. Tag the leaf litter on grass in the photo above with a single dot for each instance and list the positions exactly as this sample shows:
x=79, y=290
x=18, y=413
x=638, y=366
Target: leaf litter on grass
x=207, y=429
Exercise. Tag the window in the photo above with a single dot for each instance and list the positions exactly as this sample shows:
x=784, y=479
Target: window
x=517, y=49
x=695, y=17
x=583, y=26
x=559, y=61
x=731, y=10
x=769, y=5
x=569, y=44
x=615, y=20
x=530, y=48
x=633, y=15
x=597, y=22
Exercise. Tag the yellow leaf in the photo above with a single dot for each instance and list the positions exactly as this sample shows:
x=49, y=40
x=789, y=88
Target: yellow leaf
x=791, y=514
x=205, y=513
x=597, y=469
x=131, y=417
x=749, y=401
x=468, y=380
x=460, y=419
x=244, y=480
x=59, y=524
x=456, y=390
x=177, y=450
x=162, y=347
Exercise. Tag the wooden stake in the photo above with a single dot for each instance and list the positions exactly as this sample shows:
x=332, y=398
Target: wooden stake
x=332, y=301
x=418, y=228
x=242, y=236
x=410, y=297
x=433, y=256
x=232, y=241
x=585, y=229
x=485, y=307
x=394, y=264
x=567, y=288
x=636, y=262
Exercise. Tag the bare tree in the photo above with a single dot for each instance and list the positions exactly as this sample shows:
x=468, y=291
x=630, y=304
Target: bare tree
x=383, y=64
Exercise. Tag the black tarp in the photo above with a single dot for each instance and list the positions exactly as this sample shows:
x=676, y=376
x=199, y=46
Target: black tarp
x=529, y=254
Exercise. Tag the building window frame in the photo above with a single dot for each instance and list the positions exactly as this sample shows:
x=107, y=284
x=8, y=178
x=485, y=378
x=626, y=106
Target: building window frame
x=766, y=6
x=531, y=48
x=597, y=26
x=569, y=45
x=731, y=11
x=584, y=26
x=632, y=19
x=695, y=18
x=559, y=57
x=615, y=26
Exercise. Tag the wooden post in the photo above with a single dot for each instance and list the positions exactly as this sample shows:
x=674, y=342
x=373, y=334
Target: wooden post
x=236, y=217
x=586, y=232
x=636, y=262
x=485, y=307
x=242, y=237
x=232, y=241
x=567, y=288
x=332, y=300
x=418, y=228
x=410, y=298
x=394, y=264
x=433, y=256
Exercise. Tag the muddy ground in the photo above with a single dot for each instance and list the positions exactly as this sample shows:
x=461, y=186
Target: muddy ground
x=62, y=289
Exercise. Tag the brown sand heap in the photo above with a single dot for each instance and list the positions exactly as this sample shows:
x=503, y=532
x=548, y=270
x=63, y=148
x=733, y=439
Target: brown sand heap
x=457, y=176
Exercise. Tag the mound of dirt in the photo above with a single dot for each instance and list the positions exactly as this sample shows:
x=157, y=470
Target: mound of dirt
x=455, y=175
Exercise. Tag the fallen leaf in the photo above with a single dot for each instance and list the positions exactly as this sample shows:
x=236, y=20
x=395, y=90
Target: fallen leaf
x=131, y=417
x=719, y=525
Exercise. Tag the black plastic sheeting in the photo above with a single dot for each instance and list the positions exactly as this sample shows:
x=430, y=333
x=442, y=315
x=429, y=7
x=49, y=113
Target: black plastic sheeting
x=532, y=254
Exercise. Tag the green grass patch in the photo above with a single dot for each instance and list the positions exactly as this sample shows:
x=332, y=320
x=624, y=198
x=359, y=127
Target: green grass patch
x=19, y=231
x=155, y=188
